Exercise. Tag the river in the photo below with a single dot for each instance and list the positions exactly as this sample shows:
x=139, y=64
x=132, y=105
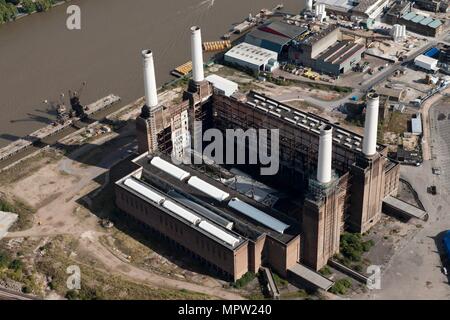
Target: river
x=40, y=58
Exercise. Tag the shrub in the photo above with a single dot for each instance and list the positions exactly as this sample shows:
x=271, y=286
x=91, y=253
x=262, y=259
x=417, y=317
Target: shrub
x=246, y=279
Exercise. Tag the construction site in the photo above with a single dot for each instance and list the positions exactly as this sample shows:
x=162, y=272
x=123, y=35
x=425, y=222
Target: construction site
x=345, y=100
x=333, y=180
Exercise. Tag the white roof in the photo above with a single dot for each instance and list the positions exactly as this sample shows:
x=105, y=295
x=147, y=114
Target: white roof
x=251, y=54
x=181, y=212
x=219, y=233
x=225, y=85
x=258, y=215
x=208, y=189
x=345, y=4
x=425, y=59
x=169, y=168
x=143, y=190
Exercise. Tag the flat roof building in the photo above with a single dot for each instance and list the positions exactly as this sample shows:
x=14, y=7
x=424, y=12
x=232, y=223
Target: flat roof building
x=426, y=63
x=252, y=57
x=326, y=52
x=224, y=86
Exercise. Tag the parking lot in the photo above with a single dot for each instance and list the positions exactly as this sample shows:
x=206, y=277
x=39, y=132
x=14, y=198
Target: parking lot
x=440, y=135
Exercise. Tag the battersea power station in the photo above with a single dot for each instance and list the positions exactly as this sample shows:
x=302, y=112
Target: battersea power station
x=233, y=219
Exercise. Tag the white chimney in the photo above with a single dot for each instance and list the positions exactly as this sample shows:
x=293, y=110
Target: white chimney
x=325, y=154
x=371, y=126
x=197, y=54
x=308, y=5
x=151, y=93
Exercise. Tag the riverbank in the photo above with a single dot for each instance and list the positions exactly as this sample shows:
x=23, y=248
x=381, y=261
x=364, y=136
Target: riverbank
x=32, y=9
x=41, y=58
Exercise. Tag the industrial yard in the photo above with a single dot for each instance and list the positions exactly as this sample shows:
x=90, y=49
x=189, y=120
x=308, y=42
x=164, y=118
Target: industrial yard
x=359, y=95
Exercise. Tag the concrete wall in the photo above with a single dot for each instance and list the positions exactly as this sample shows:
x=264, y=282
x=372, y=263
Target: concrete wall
x=367, y=192
x=321, y=228
x=281, y=256
x=392, y=181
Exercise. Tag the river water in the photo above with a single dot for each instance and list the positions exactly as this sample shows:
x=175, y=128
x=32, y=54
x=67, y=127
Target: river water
x=40, y=58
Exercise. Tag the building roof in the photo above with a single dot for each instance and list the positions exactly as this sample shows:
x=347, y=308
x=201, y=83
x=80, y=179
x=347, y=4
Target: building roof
x=225, y=85
x=416, y=124
x=311, y=277
x=208, y=189
x=169, y=168
x=258, y=215
x=306, y=121
x=181, y=212
x=340, y=52
x=251, y=54
x=343, y=5
x=275, y=35
x=242, y=223
x=405, y=207
x=425, y=21
x=283, y=29
x=425, y=59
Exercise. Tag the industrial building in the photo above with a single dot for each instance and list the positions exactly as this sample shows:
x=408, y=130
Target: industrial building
x=426, y=63
x=417, y=23
x=326, y=52
x=275, y=36
x=364, y=9
x=252, y=57
x=333, y=179
x=433, y=5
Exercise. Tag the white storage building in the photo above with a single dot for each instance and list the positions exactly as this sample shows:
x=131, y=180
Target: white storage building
x=224, y=86
x=255, y=58
x=426, y=63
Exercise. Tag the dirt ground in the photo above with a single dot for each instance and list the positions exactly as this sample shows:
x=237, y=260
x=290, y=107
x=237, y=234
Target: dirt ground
x=56, y=188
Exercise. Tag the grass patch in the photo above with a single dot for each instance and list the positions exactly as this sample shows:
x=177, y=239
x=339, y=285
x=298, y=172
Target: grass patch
x=300, y=294
x=97, y=285
x=341, y=286
x=28, y=166
x=25, y=212
x=280, y=282
x=398, y=122
x=325, y=271
x=245, y=280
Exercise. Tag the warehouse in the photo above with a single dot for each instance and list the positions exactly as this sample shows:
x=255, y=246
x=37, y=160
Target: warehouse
x=275, y=36
x=364, y=8
x=252, y=57
x=426, y=63
x=222, y=85
x=326, y=52
x=420, y=24
x=339, y=58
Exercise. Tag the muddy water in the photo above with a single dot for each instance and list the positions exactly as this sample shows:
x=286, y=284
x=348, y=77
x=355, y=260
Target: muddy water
x=40, y=58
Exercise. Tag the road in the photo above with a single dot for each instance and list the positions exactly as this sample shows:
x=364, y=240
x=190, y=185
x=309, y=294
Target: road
x=414, y=272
